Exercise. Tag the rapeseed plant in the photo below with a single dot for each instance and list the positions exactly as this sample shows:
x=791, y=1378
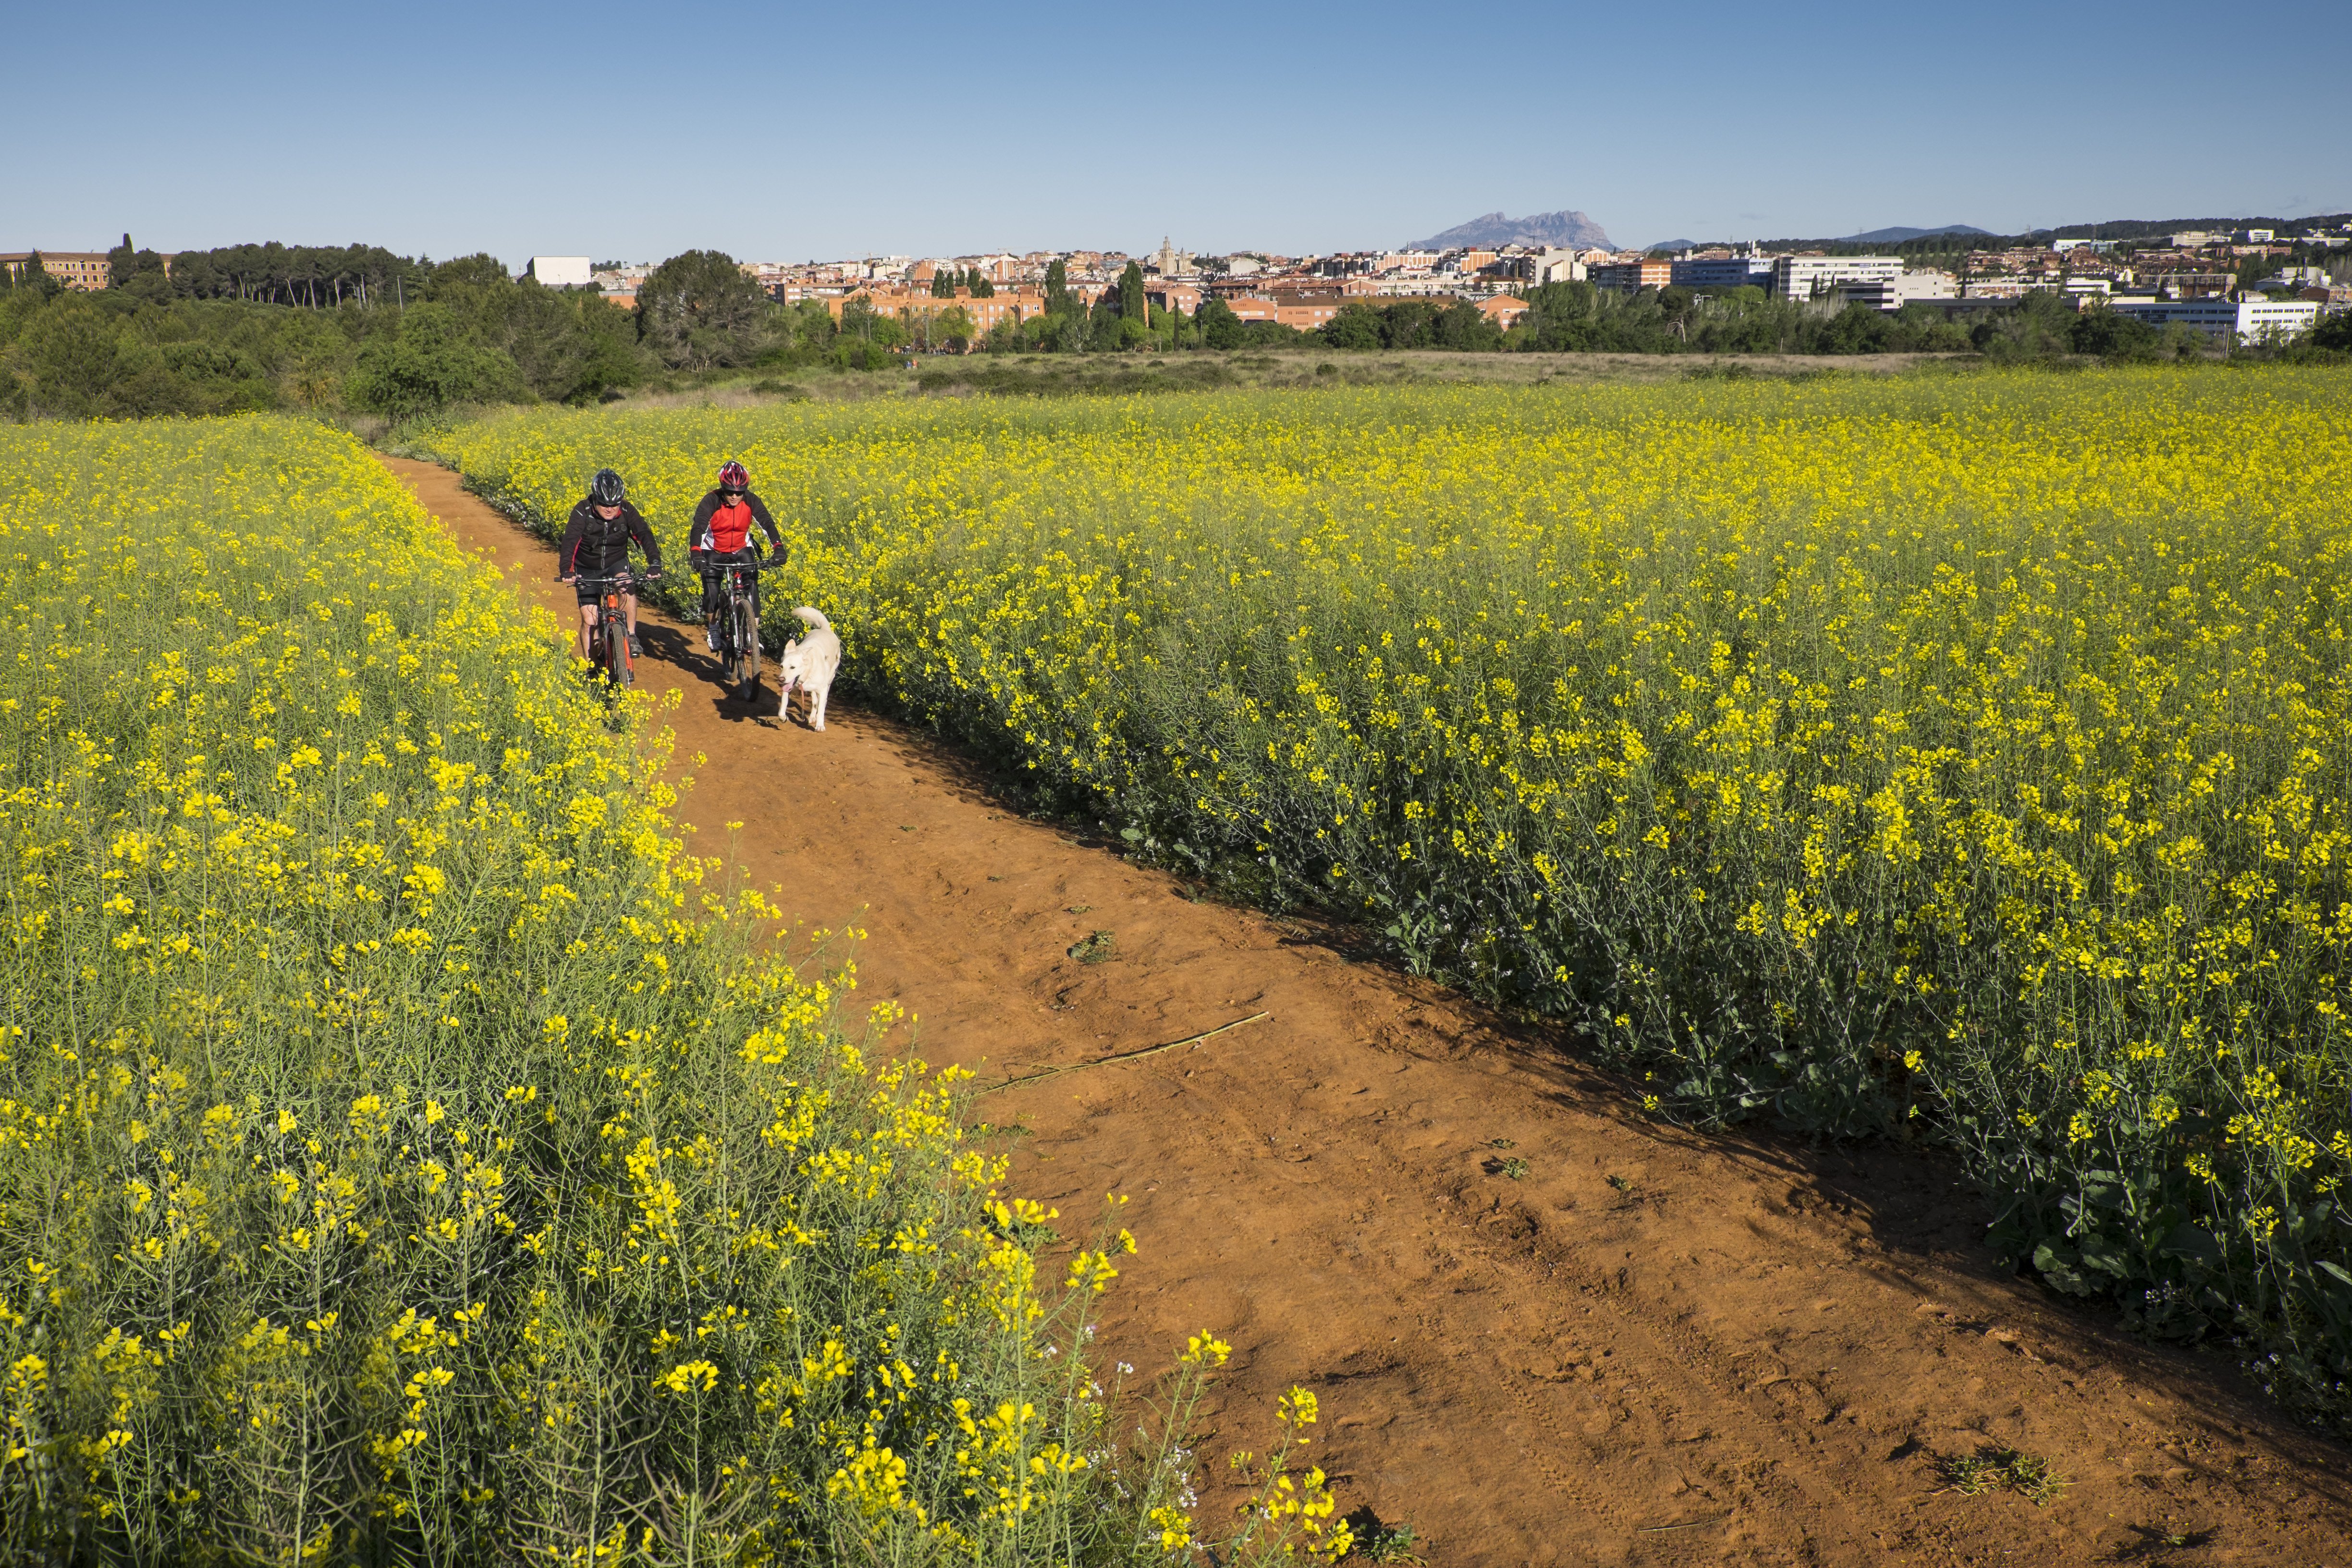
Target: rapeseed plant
x=406, y=1155
x=1963, y=754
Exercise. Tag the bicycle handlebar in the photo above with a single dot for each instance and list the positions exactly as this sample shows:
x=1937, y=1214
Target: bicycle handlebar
x=615, y=580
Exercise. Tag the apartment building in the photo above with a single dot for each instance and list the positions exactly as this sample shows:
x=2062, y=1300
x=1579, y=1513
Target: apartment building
x=1503, y=309
x=1278, y=287
x=1550, y=265
x=2194, y=285
x=1019, y=304
x=621, y=284
x=80, y=270
x=1808, y=276
x=1288, y=309
x=1183, y=297
x=1630, y=277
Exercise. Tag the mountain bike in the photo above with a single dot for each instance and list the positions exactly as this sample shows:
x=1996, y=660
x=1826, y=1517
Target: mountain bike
x=609, y=648
x=736, y=634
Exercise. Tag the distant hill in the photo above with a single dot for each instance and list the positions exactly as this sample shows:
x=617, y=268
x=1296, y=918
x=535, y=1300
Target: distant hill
x=1897, y=236
x=1565, y=230
x=1673, y=245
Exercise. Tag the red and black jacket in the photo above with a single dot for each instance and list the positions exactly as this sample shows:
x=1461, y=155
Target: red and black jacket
x=592, y=547
x=722, y=530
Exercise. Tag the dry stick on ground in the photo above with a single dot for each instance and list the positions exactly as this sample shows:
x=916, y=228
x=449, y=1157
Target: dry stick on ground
x=1125, y=1056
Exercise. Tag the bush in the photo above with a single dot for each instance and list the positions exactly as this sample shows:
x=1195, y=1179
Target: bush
x=2112, y=334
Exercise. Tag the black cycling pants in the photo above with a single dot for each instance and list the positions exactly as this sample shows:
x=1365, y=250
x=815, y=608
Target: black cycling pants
x=714, y=587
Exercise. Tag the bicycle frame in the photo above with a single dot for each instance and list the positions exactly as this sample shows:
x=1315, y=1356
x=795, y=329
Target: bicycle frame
x=739, y=627
x=610, y=645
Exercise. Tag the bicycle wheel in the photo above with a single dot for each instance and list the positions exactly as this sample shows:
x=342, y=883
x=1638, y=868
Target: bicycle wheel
x=747, y=645
x=616, y=650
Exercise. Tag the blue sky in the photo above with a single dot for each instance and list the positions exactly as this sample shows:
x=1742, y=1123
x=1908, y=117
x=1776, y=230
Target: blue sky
x=780, y=133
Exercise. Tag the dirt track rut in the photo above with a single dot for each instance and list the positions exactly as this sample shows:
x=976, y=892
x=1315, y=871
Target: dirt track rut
x=1652, y=1348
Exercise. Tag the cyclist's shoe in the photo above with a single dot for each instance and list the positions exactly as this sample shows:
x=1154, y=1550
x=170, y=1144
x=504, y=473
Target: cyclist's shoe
x=710, y=635
x=636, y=648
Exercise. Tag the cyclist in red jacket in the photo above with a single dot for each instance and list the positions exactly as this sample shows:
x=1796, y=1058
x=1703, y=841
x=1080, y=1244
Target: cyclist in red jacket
x=595, y=543
x=721, y=535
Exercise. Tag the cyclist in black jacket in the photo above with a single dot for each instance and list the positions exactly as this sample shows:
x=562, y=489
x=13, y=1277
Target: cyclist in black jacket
x=596, y=545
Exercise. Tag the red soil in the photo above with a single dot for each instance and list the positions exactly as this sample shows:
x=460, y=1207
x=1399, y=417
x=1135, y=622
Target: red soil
x=1653, y=1348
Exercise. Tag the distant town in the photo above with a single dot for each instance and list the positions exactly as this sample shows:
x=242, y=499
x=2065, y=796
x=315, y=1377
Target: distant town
x=2195, y=279
x=2249, y=285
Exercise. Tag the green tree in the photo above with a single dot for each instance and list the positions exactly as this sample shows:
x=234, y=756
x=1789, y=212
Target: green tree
x=2040, y=327
x=74, y=352
x=1410, y=324
x=2333, y=333
x=1219, y=327
x=2113, y=334
x=571, y=348
x=1357, y=326
x=480, y=271
x=697, y=311
x=427, y=363
x=1465, y=326
x=981, y=287
x=955, y=328
x=149, y=282
x=119, y=263
x=943, y=284
x=31, y=274
x=1133, y=303
x=1059, y=301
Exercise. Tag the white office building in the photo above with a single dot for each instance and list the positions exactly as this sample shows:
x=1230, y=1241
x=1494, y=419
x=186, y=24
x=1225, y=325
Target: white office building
x=1894, y=293
x=2243, y=321
x=559, y=271
x=1815, y=277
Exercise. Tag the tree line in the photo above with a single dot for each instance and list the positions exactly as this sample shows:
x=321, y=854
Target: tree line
x=361, y=329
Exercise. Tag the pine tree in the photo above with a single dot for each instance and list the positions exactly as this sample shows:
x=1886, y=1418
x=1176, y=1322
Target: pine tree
x=1057, y=289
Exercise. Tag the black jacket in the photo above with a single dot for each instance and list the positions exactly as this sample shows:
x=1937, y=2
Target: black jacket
x=592, y=547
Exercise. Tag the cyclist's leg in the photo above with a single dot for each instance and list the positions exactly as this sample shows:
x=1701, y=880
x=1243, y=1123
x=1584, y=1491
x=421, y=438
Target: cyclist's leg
x=588, y=630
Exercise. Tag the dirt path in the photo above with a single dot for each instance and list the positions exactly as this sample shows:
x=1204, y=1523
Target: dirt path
x=1650, y=1349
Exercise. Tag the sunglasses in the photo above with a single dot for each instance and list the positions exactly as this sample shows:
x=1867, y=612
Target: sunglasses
x=729, y=492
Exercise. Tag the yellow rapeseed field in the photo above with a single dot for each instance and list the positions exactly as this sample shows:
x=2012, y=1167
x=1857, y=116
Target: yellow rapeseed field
x=1962, y=755
x=404, y=1154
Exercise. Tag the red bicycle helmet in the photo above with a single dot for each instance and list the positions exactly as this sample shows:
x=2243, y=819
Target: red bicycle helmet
x=731, y=477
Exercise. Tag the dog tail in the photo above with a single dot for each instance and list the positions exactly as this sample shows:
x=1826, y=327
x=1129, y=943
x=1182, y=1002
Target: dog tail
x=814, y=618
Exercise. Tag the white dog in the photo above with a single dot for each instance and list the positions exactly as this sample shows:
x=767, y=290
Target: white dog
x=810, y=664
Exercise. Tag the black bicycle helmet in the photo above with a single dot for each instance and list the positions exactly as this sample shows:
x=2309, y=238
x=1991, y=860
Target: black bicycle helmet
x=607, y=487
